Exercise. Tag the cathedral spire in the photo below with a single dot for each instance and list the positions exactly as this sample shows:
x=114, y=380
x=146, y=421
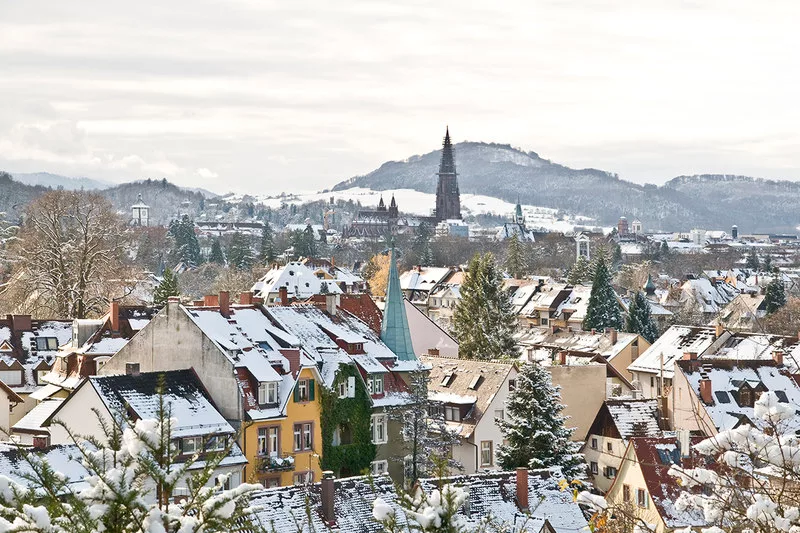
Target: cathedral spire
x=448, y=199
x=448, y=164
x=395, y=332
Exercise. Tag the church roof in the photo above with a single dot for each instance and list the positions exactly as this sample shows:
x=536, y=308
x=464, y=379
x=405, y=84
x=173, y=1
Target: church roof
x=448, y=163
x=395, y=332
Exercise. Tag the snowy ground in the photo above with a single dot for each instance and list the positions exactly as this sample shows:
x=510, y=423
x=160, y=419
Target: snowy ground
x=420, y=203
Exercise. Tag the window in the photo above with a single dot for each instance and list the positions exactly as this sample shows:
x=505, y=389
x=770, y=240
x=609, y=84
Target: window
x=594, y=467
x=377, y=426
x=192, y=445
x=499, y=414
x=375, y=383
x=49, y=344
x=216, y=443
x=304, y=391
x=379, y=467
x=267, y=392
x=626, y=493
x=594, y=443
x=304, y=478
x=512, y=384
x=641, y=498
x=610, y=472
x=652, y=381
x=303, y=436
x=452, y=413
x=11, y=377
x=544, y=321
x=609, y=447
x=270, y=482
x=487, y=457
x=268, y=441
x=343, y=389
x=473, y=385
x=446, y=380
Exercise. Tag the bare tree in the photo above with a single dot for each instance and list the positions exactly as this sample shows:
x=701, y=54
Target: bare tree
x=70, y=245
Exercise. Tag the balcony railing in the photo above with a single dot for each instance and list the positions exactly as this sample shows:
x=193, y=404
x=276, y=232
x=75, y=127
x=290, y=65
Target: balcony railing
x=275, y=463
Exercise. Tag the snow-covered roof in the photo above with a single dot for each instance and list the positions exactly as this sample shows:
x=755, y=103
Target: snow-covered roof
x=423, y=278
x=34, y=420
x=65, y=459
x=575, y=341
x=635, y=418
x=672, y=344
x=301, y=281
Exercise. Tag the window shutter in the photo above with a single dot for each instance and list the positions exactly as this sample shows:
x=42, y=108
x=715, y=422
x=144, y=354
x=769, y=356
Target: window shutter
x=351, y=387
x=310, y=390
x=296, y=394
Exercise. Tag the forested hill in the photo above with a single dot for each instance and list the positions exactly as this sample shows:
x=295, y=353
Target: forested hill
x=683, y=203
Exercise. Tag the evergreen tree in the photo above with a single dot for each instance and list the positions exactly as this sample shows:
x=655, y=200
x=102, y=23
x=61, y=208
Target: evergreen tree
x=421, y=247
x=185, y=246
x=310, y=241
x=639, y=319
x=323, y=288
x=240, y=256
x=533, y=430
x=767, y=265
x=775, y=295
x=216, y=255
x=266, y=254
x=616, y=257
x=516, y=262
x=752, y=260
x=168, y=287
x=579, y=272
x=664, y=249
x=484, y=321
x=603, y=310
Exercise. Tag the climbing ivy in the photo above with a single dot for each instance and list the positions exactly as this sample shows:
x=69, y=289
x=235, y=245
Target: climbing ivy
x=346, y=459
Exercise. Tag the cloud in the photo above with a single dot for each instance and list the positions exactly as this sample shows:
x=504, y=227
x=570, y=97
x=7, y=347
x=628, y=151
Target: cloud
x=206, y=174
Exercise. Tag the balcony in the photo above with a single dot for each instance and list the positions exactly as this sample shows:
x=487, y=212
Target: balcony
x=275, y=463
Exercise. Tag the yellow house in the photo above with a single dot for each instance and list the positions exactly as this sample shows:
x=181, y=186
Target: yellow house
x=286, y=450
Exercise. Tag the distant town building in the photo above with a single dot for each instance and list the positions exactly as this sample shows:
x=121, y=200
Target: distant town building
x=448, y=198
x=374, y=223
x=140, y=213
x=516, y=226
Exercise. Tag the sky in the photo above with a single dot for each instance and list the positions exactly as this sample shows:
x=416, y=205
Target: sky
x=260, y=96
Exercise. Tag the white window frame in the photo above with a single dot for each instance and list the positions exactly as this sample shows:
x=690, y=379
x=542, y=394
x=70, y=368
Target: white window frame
x=267, y=392
x=499, y=414
x=191, y=445
x=484, y=450
x=594, y=468
x=378, y=385
x=11, y=377
x=216, y=443
x=641, y=499
x=302, y=387
x=379, y=467
x=378, y=429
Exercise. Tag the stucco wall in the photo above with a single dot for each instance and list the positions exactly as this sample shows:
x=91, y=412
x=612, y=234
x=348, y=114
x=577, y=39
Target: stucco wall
x=583, y=391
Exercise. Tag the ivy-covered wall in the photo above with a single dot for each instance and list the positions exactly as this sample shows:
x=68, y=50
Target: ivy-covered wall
x=346, y=459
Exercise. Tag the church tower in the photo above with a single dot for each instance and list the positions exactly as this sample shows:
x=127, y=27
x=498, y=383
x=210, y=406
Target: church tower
x=448, y=200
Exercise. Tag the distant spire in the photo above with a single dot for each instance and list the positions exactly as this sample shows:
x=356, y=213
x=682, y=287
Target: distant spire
x=381, y=205
x=395, y=332
x=447, y=164
x=518, y=212
x=649, y=287
x=393, y=203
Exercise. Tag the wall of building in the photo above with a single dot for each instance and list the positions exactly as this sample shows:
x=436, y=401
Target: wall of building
x=604, y=457
x=487, y=429
x=78, y=414
x=631, y=474
x=5, y=411
x=426, y=335
x=688, y=412
x=171, y=341
x=583, y=391
x=21, y=409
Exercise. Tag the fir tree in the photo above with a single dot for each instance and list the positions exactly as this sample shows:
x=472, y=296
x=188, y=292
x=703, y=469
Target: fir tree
x=484, y=321
x=266, y=253
x=516, y=262
x=775, y=295
x=616, y=257
x=168, y=287
x=639, y=319
x=240, y=255
x=752, y=261
x=579, y=272
x=310, y=241
x=767, y=265
x=664, y=249
x=421, y=247
x=216, y=255
x=185, y=246
x=603, y=310
x=533, y=430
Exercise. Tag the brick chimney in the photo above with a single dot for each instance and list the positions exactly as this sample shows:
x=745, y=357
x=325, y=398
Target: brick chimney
x=328, y=497
x=198, y=303
x=777, y=356
x=113, y=312
x=283, y=295
x=293, y=356
x=612, y=333
x=705, y=391
x=225, y=303
x=433, y=351
x=690, y=356
x=21, y=323
x=257, y=300
x=719, y=329
x=246, y=298
x=211, y=300
x=522, y=489
x=562, y=357
x=131, y=369
x=330, y=304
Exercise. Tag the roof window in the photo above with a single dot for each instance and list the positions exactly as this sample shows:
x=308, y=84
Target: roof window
x=447, y=380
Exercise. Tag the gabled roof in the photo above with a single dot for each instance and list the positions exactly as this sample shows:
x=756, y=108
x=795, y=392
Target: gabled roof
x=65, y=459
x=629, y=418
x=576, y=341
x=299, y=279
x=35, y=420
x=671, y=345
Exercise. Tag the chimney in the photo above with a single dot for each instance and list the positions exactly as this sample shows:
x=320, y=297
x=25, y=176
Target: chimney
x=777, y=356
x=225, y=303
x=131, y=369
x=328, y=493
x=433, y=351
x=719, y=329
x=283, y=295
x=113, y=312
x=562, y=357
x=522, y=489
x=594, y=331
x=690, y=356
x=198, y=303
x=705, y=391
x=330, y=304
x=211, y=300
x=246, y=298
x=293, y=356
x=21, y=323
x=257, y=300
x=613, y=335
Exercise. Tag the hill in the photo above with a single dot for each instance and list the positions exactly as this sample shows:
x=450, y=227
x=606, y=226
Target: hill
x=56, y=181
x=683, y=203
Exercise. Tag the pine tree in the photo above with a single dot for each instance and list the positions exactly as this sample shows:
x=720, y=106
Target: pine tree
x=533, y=430
x=240, y=256
x=579, y=272
x=664, y=249
x=516, y=262
x=168, y=287
x=775, y=295
x=603, y=310
x=639, y=319
x=616, y=257
x=752, y=261
x=185, y=246
x=767, y=265
x=310, y=241
x=484, y=321
x=421, y=248
x=216, y=255
x=266, y=253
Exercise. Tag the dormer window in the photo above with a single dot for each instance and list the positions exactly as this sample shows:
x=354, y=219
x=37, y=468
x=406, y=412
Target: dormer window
x=746, y=397
x=267, y=392
x=375, y=384
x=447, y=380
x=46, y=344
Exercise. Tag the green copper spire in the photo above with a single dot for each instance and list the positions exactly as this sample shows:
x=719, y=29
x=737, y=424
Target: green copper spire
x=394, y=328
x=649, y=287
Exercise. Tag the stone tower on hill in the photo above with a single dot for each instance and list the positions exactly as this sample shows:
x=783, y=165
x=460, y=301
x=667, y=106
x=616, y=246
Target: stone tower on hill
x=448, y=199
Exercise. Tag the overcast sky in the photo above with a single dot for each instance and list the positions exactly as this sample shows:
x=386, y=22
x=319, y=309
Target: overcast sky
x=261, y=95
